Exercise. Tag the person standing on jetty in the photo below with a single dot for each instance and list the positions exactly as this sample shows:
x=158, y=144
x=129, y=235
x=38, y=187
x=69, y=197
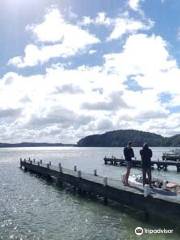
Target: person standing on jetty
x=128, y=154
x=146, y=155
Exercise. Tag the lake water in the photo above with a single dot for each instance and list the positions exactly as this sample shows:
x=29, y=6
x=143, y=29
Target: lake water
x=31, y=208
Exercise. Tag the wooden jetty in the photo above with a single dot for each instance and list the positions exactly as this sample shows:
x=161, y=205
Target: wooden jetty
x=167, y=206
x=137, y=163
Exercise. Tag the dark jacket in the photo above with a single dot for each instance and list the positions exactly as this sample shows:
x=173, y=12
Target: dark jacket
x=128, y=153
x=146, y=155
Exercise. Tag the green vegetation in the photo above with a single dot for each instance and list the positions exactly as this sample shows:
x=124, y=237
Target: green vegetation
x=120, y=138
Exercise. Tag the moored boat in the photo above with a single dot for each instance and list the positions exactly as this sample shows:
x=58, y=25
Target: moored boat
x=158, y=185
x=173, y=155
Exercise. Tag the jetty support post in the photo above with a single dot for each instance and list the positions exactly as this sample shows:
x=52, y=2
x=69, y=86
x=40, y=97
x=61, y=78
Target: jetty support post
x=20, y=162
x=75, y=168
x=178, y=167
x=60, y=168
x=41, y=162
x=25, y=169
x=165, y=167
x=95, y=172
x=158, y=166
x=105, y=183
x=59, y=178
x=79, y=175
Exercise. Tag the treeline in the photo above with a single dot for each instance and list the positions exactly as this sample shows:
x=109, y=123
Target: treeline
x=120, y=138
x=31, y=144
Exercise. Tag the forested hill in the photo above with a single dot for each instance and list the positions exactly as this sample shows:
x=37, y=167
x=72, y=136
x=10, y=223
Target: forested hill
x=32, y=144
x=120, y=138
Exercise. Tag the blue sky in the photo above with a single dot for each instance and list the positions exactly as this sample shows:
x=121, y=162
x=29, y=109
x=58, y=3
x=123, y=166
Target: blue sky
x=73, y=68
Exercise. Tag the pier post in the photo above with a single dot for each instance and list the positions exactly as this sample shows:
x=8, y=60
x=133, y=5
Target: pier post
x=79, y=187
x=79, y=174
x=178, y=167
x=75, y=168
x=38, y=163
x=95, y=172
x=20, y=162
x=165, y=167
x=41, y=162
x=60, y=168
x=29, y=159
x=158, y=166
x=34, y=160
x=48, y=165
x=105, y=183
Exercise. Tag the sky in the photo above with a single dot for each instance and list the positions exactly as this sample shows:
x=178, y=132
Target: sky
x=73, y=68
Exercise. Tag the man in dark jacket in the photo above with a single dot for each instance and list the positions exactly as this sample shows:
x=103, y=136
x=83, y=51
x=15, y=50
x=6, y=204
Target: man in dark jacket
x=146, y=155
x=128, y=154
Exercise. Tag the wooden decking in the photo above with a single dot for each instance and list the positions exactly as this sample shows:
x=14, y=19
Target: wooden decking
x=160, y=165
x=112, y=189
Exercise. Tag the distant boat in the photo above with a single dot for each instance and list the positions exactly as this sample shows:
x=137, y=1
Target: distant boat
x=173, y=155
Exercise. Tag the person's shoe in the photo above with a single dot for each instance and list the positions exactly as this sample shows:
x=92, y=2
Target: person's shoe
x=126, y=184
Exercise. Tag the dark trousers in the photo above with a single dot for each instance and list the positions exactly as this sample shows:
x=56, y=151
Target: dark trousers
x=146, y=171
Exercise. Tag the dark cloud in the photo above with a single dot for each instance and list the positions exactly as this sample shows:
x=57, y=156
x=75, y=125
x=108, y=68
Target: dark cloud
x=61, y=116
x=115, y=102
x=68, y=88
x=99, y=90
x=9, y=80
x=151, y=115
x=105, y=125
x=10, y=113
x=25, y=99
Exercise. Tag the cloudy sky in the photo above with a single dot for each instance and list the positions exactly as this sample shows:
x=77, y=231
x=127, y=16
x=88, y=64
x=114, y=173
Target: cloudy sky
x=77, y=67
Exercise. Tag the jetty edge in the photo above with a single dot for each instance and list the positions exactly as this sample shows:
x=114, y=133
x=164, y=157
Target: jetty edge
x=163, y=206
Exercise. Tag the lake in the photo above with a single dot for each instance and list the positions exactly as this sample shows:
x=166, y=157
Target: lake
x=31, y=208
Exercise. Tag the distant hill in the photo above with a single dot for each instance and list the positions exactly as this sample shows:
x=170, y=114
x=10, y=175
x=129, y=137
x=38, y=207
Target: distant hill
x=31, y=144
x=120, y=138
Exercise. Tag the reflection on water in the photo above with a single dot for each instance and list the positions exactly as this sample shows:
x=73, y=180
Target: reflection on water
x=31, y=208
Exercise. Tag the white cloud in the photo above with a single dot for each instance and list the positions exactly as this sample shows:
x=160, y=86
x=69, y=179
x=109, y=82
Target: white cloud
x=141, y=55
x=100, y=19
x=92, y=51
x=86, y=100
x=134, y=4
x=120, y=25
x=57, y=32
x=178, y=34
x=101, y=89
x=125, y=25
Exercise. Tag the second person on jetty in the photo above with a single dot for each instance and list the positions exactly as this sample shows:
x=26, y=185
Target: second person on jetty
x=128, y=154
x=146, y=155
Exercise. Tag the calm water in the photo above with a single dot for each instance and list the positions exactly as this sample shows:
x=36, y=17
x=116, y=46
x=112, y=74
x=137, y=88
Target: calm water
x=31, y=208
